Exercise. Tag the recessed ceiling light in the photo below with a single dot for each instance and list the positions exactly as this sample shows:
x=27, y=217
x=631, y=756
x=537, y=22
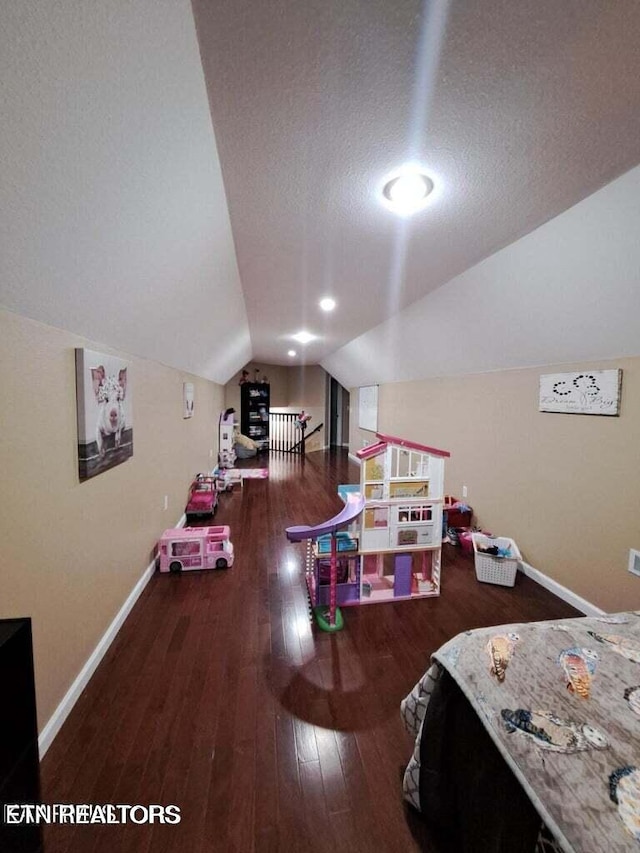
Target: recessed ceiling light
x=407, y=192
x=291, y=352
x=303, y=337
x=327, y=304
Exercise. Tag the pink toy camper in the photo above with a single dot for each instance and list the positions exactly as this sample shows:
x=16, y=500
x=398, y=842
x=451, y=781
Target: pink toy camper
x=193, y=548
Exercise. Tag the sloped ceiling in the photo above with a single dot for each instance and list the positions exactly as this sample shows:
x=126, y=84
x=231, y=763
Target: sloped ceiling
x=115, y=222
x=569, y=291
x=517, y=109
x=128, y=218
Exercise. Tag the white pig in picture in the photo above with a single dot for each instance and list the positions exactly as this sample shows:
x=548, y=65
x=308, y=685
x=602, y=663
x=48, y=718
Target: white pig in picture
x=105, y=422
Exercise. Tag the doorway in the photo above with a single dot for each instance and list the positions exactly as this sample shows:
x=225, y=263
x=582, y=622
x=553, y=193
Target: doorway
x=338, y=414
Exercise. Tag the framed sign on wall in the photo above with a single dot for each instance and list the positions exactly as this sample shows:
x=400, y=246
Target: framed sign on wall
x=368, y=407
x=588, y=392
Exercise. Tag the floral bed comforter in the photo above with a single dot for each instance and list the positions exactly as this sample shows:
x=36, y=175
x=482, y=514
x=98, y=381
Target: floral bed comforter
x=561, y=702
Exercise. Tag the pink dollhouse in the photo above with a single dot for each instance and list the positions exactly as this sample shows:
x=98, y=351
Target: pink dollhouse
x=386, y=543
x=400, y=529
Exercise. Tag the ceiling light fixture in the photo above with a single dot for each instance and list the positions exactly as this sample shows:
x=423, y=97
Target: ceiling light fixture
x=327, y=304
x=291, y=352
x=407, y=192
x=303, y=337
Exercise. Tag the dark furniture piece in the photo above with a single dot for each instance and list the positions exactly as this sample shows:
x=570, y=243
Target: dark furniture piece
x=254, y=415
x=531, y=723
x=19, y=759
x=467, y=791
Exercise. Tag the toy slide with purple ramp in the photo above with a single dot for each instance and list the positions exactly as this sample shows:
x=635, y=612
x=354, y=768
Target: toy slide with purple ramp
x=352, y=509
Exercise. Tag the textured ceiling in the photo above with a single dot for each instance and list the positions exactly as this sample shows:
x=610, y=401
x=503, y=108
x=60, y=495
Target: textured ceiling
x=114, y=218
x=135, y=221
x=517, y=109
x=567, y=292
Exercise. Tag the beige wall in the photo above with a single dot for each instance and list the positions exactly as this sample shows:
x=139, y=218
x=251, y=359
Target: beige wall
x=72, y=552
x=565, y=487
x=291, y=389
x=289, y=386
x=307, y=387
x=277, y=375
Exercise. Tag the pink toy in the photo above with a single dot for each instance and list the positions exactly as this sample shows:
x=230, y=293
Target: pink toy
x=203, y=496
x=223, y=479
x=193, y=548
x=393, y=518
x=303, y=419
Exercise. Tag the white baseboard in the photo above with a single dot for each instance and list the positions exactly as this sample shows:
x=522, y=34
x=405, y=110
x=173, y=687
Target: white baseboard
x=355, y=459
x=72, y=695
x=562, y=592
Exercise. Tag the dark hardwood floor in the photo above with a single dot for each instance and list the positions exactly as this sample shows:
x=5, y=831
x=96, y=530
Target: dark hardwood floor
x=220, y=696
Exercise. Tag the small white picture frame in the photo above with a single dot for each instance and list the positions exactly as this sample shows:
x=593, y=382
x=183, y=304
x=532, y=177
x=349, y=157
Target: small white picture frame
x=188, y=397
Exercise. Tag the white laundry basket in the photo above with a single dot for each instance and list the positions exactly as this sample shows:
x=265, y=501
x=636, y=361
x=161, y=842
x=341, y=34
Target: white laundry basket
x=493, y=569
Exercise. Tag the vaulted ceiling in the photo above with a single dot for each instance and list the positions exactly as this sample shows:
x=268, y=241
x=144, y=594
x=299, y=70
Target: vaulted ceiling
x=131, y=220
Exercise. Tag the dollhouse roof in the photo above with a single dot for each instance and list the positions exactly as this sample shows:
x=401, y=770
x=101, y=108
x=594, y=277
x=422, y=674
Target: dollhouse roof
x=371, y=450
x=385, y=440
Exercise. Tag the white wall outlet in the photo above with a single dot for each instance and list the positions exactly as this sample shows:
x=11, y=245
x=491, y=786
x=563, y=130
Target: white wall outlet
x=166, y=501
x=211, y=453
x=464, y=491
x=634, y=562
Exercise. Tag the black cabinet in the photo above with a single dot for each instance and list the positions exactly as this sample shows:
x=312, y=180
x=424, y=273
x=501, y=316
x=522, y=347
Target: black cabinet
x=254, y=416
x=19, y=760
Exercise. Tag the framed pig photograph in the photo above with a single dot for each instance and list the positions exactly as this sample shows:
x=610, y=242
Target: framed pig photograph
x=104, y=410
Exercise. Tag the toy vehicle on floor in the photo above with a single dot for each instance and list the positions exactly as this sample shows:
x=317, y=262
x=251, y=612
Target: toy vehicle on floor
x=223, y=479
x=193, y=548
x=203, y=496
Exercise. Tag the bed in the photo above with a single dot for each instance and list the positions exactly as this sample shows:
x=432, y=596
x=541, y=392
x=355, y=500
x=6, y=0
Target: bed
x=527, y=737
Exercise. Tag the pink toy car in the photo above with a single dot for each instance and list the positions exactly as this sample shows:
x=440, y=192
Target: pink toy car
x=203, y=496
x=193, y=548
